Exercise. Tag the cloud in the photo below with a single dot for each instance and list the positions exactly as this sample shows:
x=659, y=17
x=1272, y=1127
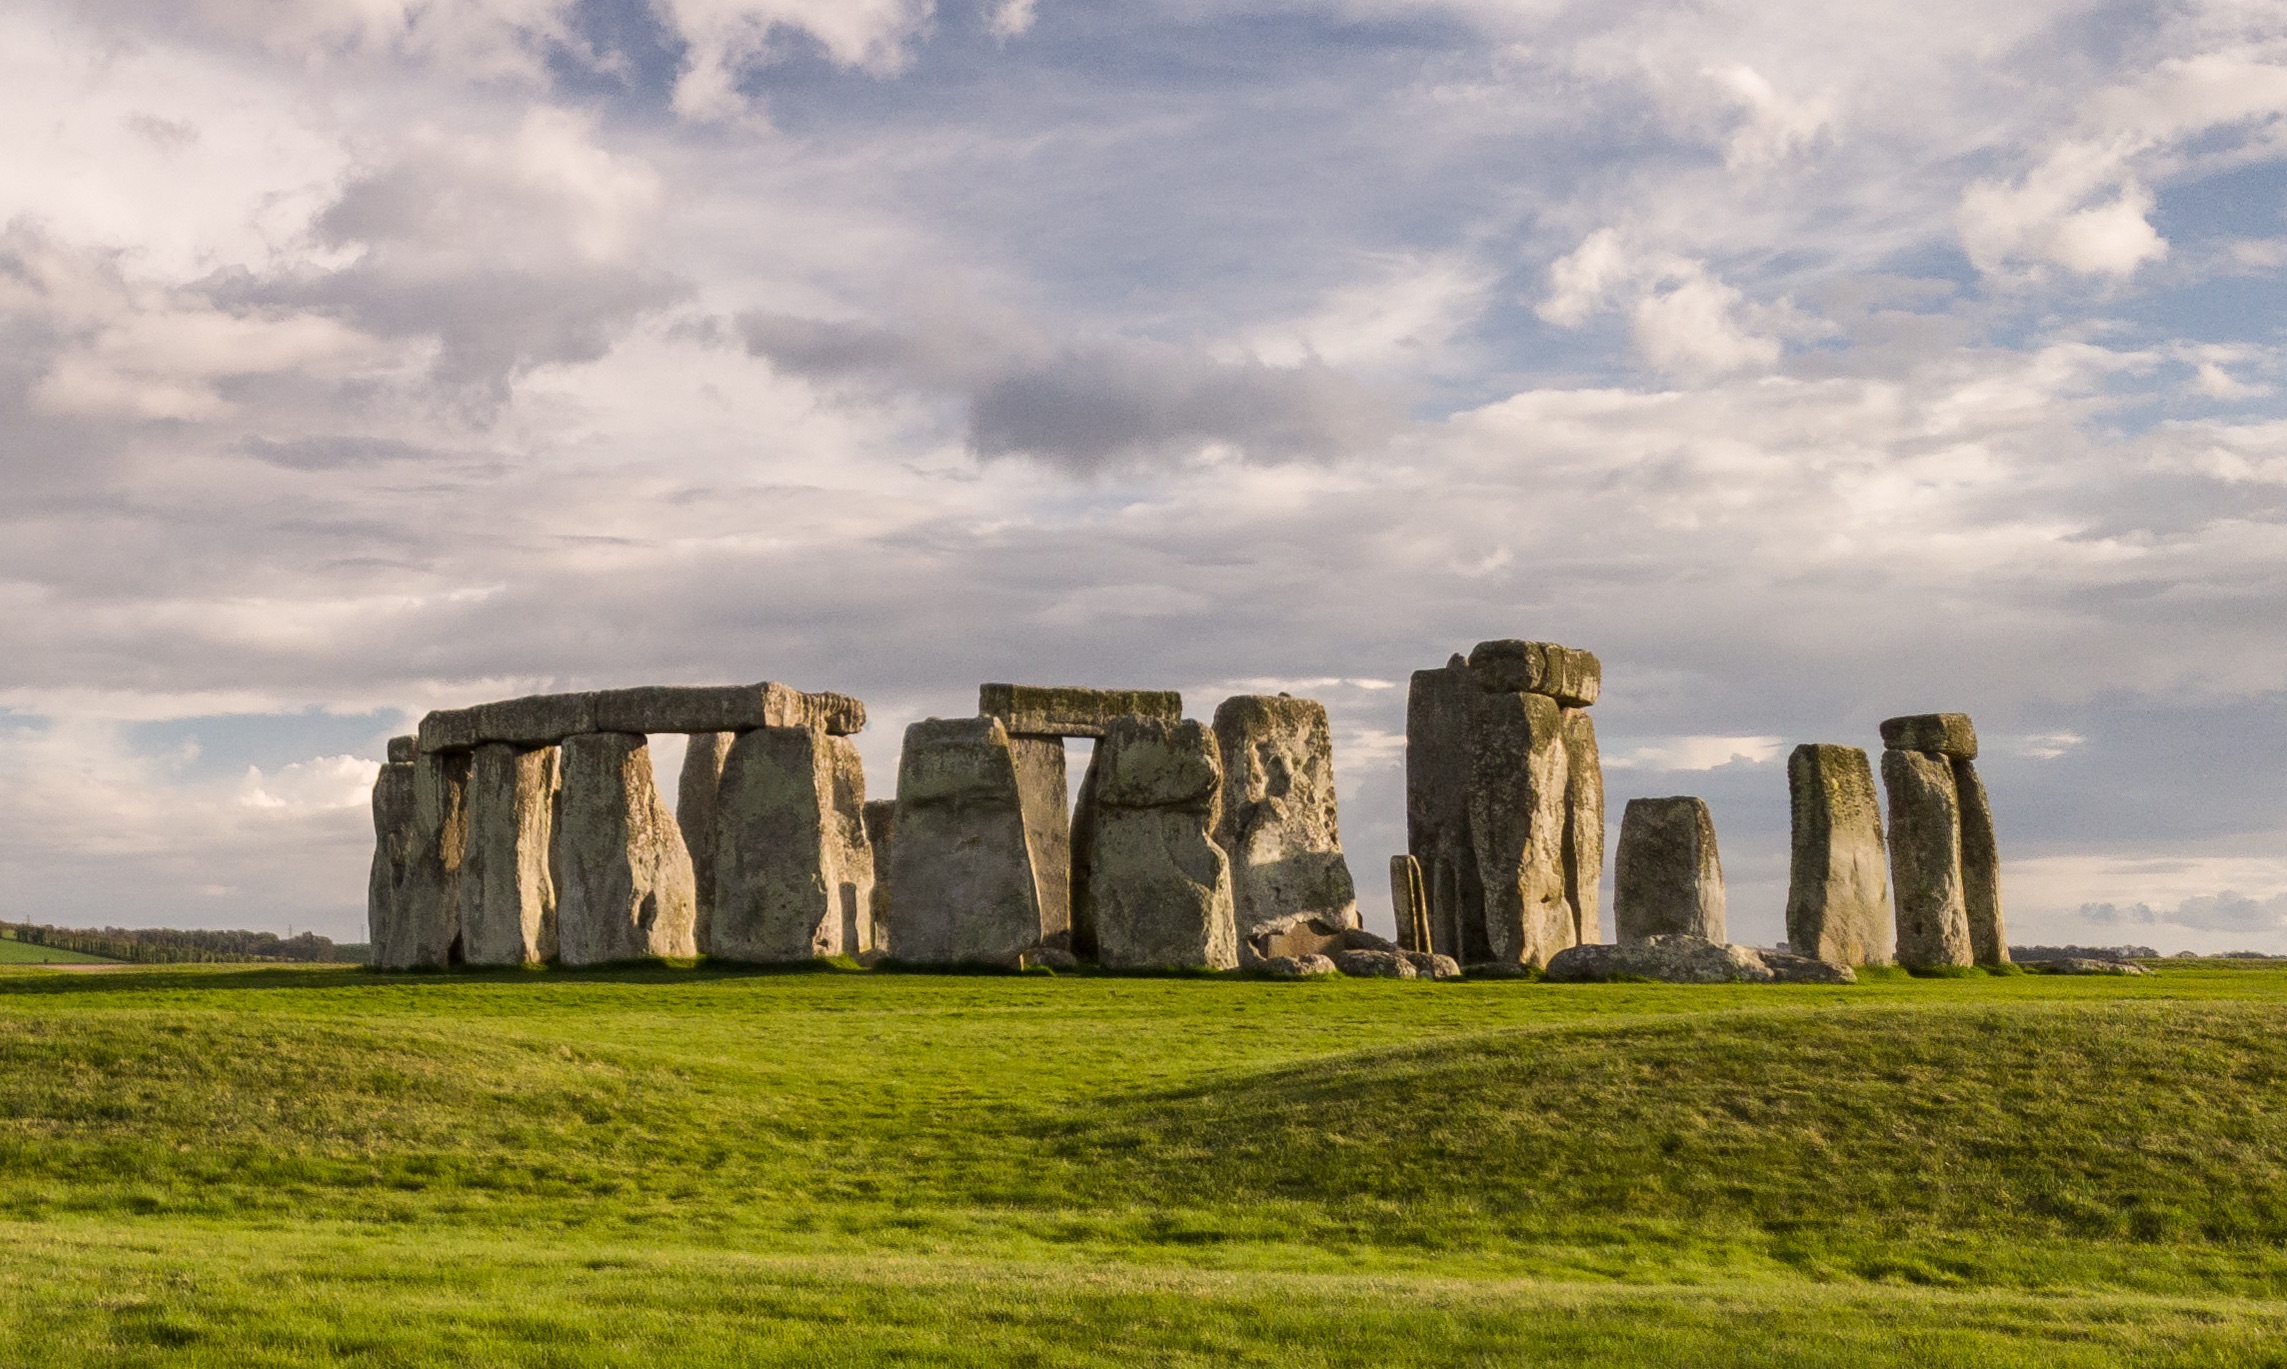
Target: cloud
x=2224, y=912
x=1686, y=321
x=723, y=38
x=1693, y=753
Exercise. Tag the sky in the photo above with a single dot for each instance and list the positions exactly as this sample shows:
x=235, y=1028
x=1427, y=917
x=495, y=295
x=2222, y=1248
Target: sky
x=1811, y=364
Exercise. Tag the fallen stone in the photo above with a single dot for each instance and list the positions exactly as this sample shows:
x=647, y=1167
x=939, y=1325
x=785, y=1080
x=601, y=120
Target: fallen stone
x=1788, y=968
x=1359, y=939
x=1838, y=889
x=1048, y=957
x=695, y=792
x=1044, y=797
x=1570, y=676
x=1061, y=711
x=402, y=750
x=1278, y=825
x=1291, y=966
x=394, y=847
x=624, y=887
x=1980, y=869
x=1583, y=842
x=792, y=881
x=508, y=896
x=1437, y=810
x=1672, y=959
x=1668, y=878
x=1409, y=903
x=1946, y=734
x=961, y=881
x=1374, y=964
x=1159, y=894
x=1517, y=785
x=1925, y=860
x=429, y=903
x=1427, y=965
x=2081, y=965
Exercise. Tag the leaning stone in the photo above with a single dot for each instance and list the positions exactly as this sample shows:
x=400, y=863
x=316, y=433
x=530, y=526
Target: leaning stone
x=1570, y=676
x=1925, y=860
x=1159, y=893
x=961, y=880
x=1517, y=784
x=1374, y=964
x=1430, y=966
x=1670, y=959
x=1045, y=798
x=1668, y=877
x=1437, y=810
x=508, y=897
x=790, y=885
x=1278, y=824
x=1409, y=904
x=1980, y=869
x=1838, y=893
x=624, y=888
x=1062, y=711
x=430, y=904
x=402, y=750
x=1788, y=968
x=695, y=792
x=1583, y=824
x=2084, y=965
x=1947, y=734
x=394, y=845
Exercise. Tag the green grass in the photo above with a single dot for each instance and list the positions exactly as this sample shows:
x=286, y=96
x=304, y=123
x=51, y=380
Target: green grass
x=702, y=1166
x=14, y=952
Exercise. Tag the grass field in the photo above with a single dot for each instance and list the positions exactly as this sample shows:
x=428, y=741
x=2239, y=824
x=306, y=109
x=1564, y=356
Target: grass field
x=233, y=1166
x=14, y=952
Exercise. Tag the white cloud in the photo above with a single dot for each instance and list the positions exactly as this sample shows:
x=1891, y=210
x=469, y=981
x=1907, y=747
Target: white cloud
x=1777, y=126
x=1686, y=321
x=1693, y=753
x=725, y=37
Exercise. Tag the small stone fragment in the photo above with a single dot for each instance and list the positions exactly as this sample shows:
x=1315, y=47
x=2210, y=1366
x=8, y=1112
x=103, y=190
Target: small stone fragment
x=1159, y=892
x=1838, y=894
x=695, y=793
x=1668, y=877
x=1427, y=965
x=1925, y=860
x=1788, y=968
x=1278, y=826
x=1064, y=711
x=1374, y=964
x=1947, y=734
x=962, y=885
x=507, y=895
x=1673, y=959
x=624, y=887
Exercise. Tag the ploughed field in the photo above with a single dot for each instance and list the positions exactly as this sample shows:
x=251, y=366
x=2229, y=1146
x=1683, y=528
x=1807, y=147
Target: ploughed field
x=251, y=1166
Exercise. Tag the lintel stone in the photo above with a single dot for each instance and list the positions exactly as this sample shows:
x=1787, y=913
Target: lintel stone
x=1567, y=674
x=1065, y=711
x=1944, y=734
x=545, y=719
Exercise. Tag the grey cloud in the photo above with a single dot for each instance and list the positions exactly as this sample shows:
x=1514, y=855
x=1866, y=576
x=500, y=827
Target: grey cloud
x=2224, y=912
x=334, y=453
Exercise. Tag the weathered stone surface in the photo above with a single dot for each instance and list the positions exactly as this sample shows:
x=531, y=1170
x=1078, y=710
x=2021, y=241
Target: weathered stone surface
x=402, y=750
x=624, y=887
x=1947, y=734
x=1409, y=904
x=1045, y=797
x=1570, y=676
x=1359, y=939
x=1278, y=826
x=508, y=896
x=1374, y=964
x=1517, y=785
x=793, y=870
x=1788, y=968
x=1064, y=711
x=1583, y=824
x=1671, y=959
x=1437, y=809
x=1838, y=891
x=880, y=816
x=695, y=792
x=962, y=886
x=1980, y=869
x=541, y=719
x=2083, y=965
x=1427, y=965
x=429, y=903
x=1668, y=877
x=1925, y=860
x=395, y=843
x=1159, y=893
x=1291, y=966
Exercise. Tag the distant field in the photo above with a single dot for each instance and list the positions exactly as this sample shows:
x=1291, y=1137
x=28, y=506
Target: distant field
x=14, y=952
x=288, y=1166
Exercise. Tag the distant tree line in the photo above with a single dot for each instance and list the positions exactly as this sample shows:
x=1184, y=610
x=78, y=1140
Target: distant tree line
x=171, y=946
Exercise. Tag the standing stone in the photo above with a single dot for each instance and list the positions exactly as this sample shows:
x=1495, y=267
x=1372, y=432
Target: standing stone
x=793, y=870
x=1583, y=825
x=1925, y=859
x=1159, y=887
x=624, y=888
x=1838, y=896
x=394, y=845
x=1409, y=904
x=508, y=898
x=695, y=790
x=430, y=904
x=962, y=883
x=1437, y=809
x=880, y=824
x=1668, y=878
x=1980, y=868
x=1045, y=797
x=1290, y=886
x=1517, y=785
